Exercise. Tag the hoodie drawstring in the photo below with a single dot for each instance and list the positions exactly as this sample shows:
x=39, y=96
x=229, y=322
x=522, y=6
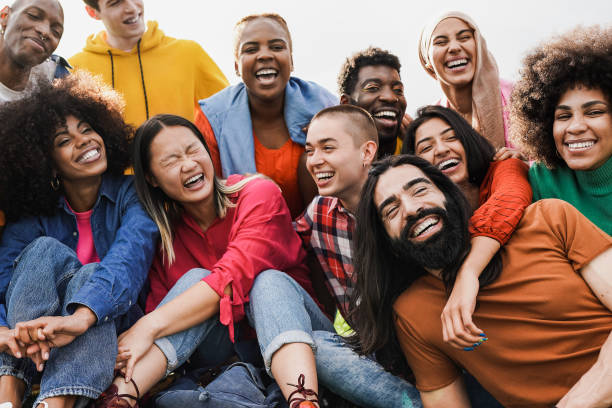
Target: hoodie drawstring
x=144, y=88
x=112, y=68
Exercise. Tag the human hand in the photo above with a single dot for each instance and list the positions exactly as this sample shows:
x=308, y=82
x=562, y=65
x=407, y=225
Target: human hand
x=133, y=345
x=9, y=344
x=56, y=331
x=504, y=153
x=458, y=329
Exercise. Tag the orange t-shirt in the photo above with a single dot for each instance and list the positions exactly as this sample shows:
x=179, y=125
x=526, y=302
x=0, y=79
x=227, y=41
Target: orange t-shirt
x=278, y=164
x=544, y=325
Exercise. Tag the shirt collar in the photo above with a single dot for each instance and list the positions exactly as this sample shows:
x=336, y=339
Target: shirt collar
x=107, y=189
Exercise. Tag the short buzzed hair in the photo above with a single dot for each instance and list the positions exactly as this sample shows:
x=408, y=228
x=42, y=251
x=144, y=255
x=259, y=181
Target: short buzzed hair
x=347, y=79
x=242, y=23
x=359, y=121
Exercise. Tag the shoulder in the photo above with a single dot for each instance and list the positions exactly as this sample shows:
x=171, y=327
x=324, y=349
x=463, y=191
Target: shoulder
x=549, y=213
x=311, y=91
x=117, y=187
x=505, y=167
x=222, y=100
x=547, y=182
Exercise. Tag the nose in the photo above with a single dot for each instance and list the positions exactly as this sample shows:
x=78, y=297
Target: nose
x=43, y=29
x=410, y=206
x=454, y=46
x=187, y=165
x=577, y=124
x=264, y=53
x=441, y=149
x=314, y=159
x=388, y=95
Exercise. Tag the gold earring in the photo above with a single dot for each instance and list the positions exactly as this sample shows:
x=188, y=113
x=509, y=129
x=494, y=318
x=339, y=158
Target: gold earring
x=55, y=183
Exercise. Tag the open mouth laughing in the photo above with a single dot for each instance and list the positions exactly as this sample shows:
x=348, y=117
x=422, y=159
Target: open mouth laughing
x=425, y=227
x=457, y=64
x=89, y=156
x=194, y=181
x=448, y=165
x=579, y=146
x=387, y=117
x=266, y=75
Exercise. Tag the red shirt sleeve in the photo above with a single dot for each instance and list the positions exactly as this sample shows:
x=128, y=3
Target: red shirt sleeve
x=202, y=123
x=504, y=195
x=159, y=289
x=261, y=238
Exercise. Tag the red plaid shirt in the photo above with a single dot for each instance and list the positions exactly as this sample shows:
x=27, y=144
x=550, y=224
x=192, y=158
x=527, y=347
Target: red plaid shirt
x=327, y=228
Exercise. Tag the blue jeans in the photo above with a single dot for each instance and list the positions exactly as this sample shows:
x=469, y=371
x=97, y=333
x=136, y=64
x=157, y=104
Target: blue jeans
x=207, y=343
x=46, y=275
x=283, y=312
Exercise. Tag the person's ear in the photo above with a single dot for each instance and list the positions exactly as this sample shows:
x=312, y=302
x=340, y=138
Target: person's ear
x=93, y=13
x=368, y=152
x=291, y=62
x=345, y=99
x=151, y=180
x=236, y=68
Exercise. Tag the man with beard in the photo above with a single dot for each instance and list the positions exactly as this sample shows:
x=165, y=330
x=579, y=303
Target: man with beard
x=371, y=80
x=545, y=299
x=30, y=31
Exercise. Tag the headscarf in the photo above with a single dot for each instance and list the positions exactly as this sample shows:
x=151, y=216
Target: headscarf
x=486, y=94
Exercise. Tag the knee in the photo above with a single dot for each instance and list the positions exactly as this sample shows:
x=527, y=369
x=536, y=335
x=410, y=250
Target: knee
x=271, y=281
x=42, y=247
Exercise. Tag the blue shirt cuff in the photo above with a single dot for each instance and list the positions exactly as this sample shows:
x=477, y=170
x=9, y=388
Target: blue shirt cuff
x=3, y=322
x=95, y=298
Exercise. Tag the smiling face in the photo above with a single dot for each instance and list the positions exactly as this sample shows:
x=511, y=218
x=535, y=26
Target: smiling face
x=452, y=52
x=380, y=91
x=32, y=31
x=582, y=128
x=264, y=59
x=78, y=151
x=181, y=166
x=436, y=142
x=335, y=159
x=123, y=19
x=404, y=195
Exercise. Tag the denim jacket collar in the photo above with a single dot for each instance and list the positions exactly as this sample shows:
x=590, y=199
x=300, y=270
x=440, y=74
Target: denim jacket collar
x=107, y=189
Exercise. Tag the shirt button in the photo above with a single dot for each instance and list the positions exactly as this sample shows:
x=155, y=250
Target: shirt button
x=130, y=303
x=74, y=233
x=106, y=319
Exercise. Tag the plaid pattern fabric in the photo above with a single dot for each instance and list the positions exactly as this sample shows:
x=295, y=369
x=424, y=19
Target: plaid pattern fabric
x=327, y=228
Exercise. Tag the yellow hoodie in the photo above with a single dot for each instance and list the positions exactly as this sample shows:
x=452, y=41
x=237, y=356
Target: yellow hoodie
x=170, y=76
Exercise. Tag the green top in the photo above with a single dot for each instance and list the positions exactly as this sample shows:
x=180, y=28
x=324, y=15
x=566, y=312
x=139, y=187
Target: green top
x=589, y=191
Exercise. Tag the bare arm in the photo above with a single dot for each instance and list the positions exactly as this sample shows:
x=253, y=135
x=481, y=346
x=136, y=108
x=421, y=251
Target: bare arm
x=457, y=326
x=594, y=389
x=453, y=395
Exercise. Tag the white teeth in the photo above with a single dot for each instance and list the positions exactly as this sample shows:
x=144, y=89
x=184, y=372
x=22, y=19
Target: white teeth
x=324, y=176
x=448, y=163
x=423, y=226
x=458, y=62
x=266, y=71
x=131, y=20
x=580, y=145
x=194, y=179
x=90, y=154
x=386, y=114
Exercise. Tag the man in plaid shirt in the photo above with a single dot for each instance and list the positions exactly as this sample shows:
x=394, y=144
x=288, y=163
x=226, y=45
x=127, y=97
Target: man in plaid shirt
x=340, y=146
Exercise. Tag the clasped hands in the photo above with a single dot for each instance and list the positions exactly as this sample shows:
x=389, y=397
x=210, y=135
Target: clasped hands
x=35, y=338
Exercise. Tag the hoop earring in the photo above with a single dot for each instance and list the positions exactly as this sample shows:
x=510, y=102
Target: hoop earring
x=55, y=183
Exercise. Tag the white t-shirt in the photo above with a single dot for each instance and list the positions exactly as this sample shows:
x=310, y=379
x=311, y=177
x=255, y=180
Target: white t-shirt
x=42, y=72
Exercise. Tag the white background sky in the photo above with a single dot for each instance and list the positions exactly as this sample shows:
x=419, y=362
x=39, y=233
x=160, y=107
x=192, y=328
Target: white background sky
x=325, y=32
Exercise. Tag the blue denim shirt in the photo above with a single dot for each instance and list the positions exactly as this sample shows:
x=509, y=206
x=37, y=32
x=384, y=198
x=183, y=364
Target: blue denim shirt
x=124, y=236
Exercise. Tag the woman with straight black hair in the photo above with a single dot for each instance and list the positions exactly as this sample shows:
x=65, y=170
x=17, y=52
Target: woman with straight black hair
x=498, y=192
x=219, y=237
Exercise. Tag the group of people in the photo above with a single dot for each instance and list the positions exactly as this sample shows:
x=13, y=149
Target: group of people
x=397, y=261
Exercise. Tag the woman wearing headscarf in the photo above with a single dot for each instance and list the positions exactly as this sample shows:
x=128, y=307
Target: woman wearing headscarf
x=453, y=51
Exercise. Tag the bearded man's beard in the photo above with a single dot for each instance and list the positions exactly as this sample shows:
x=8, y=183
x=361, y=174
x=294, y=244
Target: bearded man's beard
x=439, y=251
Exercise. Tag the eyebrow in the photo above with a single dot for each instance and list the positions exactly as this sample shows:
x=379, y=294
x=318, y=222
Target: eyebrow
x=425, y=139
x=458, y=33
x=405, y=187
x=584, y=105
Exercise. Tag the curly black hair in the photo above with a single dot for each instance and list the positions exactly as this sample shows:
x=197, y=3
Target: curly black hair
x=581, y=57
x=347, y=79
x=27, y=132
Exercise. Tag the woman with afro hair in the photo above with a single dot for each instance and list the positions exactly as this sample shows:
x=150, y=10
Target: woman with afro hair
x=77, y=245
x=561, y=117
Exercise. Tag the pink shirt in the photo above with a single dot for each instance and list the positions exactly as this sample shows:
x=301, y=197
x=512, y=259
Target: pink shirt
x=85, y=250
x=254, y=236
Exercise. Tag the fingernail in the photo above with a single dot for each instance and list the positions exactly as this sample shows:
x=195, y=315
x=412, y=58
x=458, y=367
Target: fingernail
x=18, y=354
x=482, y=335
x=468, y=348
x=127, y=380
x=40, y=367
x=46, y=356
x=477, y=344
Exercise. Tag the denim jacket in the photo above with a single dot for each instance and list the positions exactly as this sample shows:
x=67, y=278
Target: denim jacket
x=124, y=236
